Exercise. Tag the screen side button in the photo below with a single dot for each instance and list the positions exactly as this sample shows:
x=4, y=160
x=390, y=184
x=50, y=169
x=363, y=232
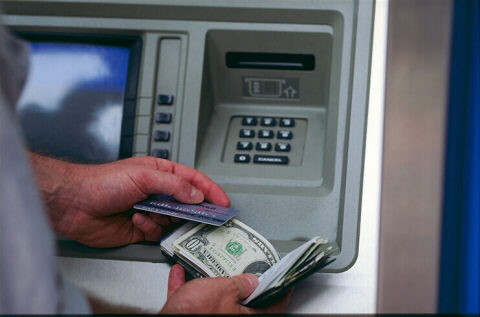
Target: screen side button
x=163, y=117
x=165, y=100
x=160, y=153
x=271, y=159
x=161, y=136
x=242, y=158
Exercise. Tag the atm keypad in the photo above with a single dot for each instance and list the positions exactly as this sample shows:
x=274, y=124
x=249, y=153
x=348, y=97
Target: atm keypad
x=265, y=134
x=271, y=159
x=282, y=147
x=263, y=146
x=244, y=145
x=267, y=140
x=242, y=158
x=268, y=122
x=247, y=133
x=284, y=135
x=249, y=121
x=287, y=122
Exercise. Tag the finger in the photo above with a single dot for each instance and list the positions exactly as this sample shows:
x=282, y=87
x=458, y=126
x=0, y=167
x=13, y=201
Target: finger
x=176, y=279
x=213, y=193
x=155, y=182
x=151, y=230
x=176, y=220
x=245, y=283
x=163, y=221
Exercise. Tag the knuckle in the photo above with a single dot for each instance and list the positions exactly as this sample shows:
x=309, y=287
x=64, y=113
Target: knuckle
x=180, y=184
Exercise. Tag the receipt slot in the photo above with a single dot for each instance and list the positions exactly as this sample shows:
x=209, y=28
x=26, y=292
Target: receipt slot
x=267, y=98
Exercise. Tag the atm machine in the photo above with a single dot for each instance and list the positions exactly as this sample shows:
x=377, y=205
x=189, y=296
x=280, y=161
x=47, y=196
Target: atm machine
x=268, y=98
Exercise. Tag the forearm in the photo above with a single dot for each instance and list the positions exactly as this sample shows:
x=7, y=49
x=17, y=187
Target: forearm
x=50, y=175
x=55, y=181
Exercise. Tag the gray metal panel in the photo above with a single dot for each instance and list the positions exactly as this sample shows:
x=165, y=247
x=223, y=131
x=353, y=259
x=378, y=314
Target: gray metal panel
x=413, y=158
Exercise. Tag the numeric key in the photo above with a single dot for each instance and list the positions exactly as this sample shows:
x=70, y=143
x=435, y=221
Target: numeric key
x=244, y=145
x=247, y=133
x=249, y=121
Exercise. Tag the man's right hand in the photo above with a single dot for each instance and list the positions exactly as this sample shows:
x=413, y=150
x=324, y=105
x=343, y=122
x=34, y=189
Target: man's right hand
x=213, y=295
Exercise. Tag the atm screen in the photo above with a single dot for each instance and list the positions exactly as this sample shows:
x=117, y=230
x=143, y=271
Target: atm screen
x=74, y=99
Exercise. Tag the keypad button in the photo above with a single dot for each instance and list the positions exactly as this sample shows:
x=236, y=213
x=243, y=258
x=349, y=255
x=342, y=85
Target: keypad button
x=265, y=134
x=162, y=117
x=282, y=147
x=287, y=122
x=271, y=159
x=242, y=158
x=247, y=133
x=165, y=100
x=244, y=145
x=249, y=121
x=263, y=146
x=161, y=153
x=268, y=122
x=161, y=136
x=284, y=134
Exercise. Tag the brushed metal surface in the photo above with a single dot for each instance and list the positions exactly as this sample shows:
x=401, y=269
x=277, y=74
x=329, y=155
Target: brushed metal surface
x=413, y=155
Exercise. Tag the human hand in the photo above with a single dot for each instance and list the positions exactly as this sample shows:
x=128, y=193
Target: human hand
x=87, y=203
x=218, y=295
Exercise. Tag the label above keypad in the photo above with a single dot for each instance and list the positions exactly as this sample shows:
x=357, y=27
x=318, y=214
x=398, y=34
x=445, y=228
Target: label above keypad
x=265, y=140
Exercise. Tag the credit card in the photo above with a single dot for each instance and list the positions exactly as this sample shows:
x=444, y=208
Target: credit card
x=204, y=212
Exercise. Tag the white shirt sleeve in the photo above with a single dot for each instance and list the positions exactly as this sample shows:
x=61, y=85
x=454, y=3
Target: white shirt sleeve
x=29, y=280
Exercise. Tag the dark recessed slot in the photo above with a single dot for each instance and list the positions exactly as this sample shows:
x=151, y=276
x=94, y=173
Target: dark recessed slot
x=270, y=61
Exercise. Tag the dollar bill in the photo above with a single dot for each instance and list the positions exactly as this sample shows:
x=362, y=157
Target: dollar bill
x=228, y=250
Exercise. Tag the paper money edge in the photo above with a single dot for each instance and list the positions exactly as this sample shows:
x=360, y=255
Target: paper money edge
x=236, y=222
x=166, y=244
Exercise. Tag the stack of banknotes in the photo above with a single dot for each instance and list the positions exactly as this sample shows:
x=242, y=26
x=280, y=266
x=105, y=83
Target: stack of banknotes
x=234, y=248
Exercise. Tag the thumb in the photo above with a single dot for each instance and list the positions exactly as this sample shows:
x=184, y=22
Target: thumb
x=176, y=279
x=246, y=283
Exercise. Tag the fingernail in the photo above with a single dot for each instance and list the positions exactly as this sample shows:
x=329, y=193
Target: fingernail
x=196, y=195
x=252, y=279
x=139, y=220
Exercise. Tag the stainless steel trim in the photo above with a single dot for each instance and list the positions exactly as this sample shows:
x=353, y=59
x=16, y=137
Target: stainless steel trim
x=417, y=73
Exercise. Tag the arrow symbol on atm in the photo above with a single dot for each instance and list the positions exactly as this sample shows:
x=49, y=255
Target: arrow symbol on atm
x=290, y=92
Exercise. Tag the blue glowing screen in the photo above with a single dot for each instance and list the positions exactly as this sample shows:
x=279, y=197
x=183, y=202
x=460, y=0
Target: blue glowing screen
x=72, y=103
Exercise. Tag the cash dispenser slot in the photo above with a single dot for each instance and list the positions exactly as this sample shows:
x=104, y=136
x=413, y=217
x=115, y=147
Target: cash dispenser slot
x=278, y=61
